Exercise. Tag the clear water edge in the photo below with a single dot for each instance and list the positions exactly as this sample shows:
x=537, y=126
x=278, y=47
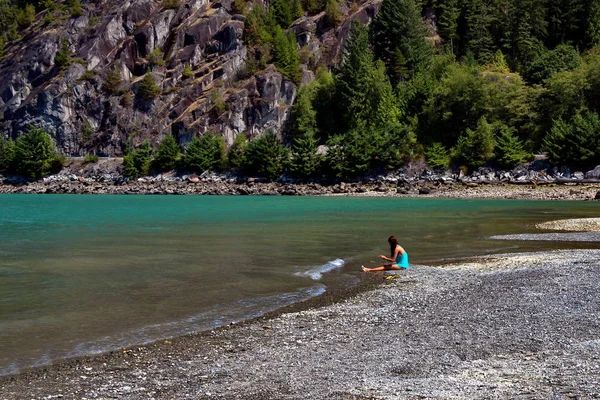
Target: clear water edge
x=87, y=274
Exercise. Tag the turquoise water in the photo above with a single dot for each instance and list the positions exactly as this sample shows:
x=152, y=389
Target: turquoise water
x=86, y=274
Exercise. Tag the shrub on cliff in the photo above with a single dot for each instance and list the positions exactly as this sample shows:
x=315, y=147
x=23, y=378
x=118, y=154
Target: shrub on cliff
x=26, y=16
x=113, y=81
x=168, y=155
x=7, y=154
x=63, y=56
x=204, y=154
x=148, y=89
x=137, y=163
x=266, y=157
x=34, y=154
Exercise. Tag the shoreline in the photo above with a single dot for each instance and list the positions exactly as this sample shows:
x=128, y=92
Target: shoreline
x=512, y=324
x=573, y=190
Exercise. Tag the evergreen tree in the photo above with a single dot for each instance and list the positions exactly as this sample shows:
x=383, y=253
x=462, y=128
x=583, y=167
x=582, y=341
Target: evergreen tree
x=364, y=93
x=7, y=155
x=285, y=54
x=447, y=21
x=525, y=28
x=575, y=143
x=236, y=156
x=266, y=156
x=352, y=154
x=437, y=156
x=282, y=12
x=168, y=154
x=137, y=163
x=477, y=36
x=509, y=149
x=63, y=56
x=398, y=36
x=113, y=81
x=26, y=16
x=34, y=154
x=304, y=116
x=148, y=89
x=592, y=26
x=306, y=161
x=475, y=147
x=204, y=154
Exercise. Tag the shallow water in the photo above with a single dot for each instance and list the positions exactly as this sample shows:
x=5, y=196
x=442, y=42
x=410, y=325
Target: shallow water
x=84, y=274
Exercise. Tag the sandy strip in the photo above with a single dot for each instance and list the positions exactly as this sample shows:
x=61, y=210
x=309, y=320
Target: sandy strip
x=573, y=225
x=509, y=326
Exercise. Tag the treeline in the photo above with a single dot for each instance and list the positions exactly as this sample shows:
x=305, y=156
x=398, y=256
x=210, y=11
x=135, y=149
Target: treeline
x=504, y=80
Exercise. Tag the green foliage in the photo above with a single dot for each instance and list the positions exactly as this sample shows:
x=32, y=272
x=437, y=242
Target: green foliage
x=475, y=147
x=171, y=4
x=547, y=63
x=148, y=89
x=304, y=116
x=34, y=154
x=91, y=159
x=285, y=54
x=305, y=162
x=112, y=83
x=350, y=155
x=398, y=37
x=156, y=57
x=364, y=94
x=282, y=12
x=236, y=156
x=333, y=16
x=216, y=98
x=137, y=163
x=168, y=154
x=437, y=156
x=187, y=73
x=509, y=149
x=239, y=7
x=63, y=56
x=204, y=154
x=457, y=103
x=74, y=8
x=7, y=155
x=25, y=16
x=575, y=143
x=266, y=157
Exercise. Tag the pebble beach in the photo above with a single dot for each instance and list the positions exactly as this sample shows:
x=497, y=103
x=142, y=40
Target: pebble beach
x=505, y=326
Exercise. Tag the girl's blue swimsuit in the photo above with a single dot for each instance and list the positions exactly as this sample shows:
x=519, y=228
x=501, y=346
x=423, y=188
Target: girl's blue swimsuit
x=402, y=260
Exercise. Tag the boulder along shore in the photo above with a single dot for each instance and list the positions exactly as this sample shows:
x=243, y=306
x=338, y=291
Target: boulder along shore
x=193, y=185
x=509, y=326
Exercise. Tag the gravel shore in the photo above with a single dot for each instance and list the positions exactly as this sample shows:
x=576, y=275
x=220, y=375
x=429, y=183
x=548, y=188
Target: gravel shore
x=511, y=326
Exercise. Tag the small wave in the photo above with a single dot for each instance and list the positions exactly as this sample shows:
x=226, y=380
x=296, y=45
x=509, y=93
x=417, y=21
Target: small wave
x=316, y=272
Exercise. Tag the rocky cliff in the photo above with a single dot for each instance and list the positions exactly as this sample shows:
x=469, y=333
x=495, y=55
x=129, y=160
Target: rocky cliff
x=144, y=36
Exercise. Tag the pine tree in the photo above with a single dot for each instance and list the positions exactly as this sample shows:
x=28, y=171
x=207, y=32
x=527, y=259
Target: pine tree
x=306, y=161
x=475, y=147
x=168, y=154
x=282, y=12
x=137, y=163
x=148, y=89
x=63, y=56
x=113, y=81
x=509, y=149
x=398, y=27
x=447, y=21
x=575, y=143
x=285, y=54
x=34, y=154
x=236, y=156
x=266, y=157
x=7, y=154
x=204, y=154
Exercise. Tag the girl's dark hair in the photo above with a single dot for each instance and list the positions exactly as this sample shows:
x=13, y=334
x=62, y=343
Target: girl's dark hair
x=393, y=243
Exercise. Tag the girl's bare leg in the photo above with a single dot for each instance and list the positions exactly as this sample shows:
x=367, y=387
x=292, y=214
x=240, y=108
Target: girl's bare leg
x=386, y=267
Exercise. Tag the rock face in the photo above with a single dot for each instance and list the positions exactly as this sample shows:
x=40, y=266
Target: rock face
x=143, y=36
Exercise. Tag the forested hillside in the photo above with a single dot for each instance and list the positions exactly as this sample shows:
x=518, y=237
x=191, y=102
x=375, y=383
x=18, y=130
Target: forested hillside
x=307, y=87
